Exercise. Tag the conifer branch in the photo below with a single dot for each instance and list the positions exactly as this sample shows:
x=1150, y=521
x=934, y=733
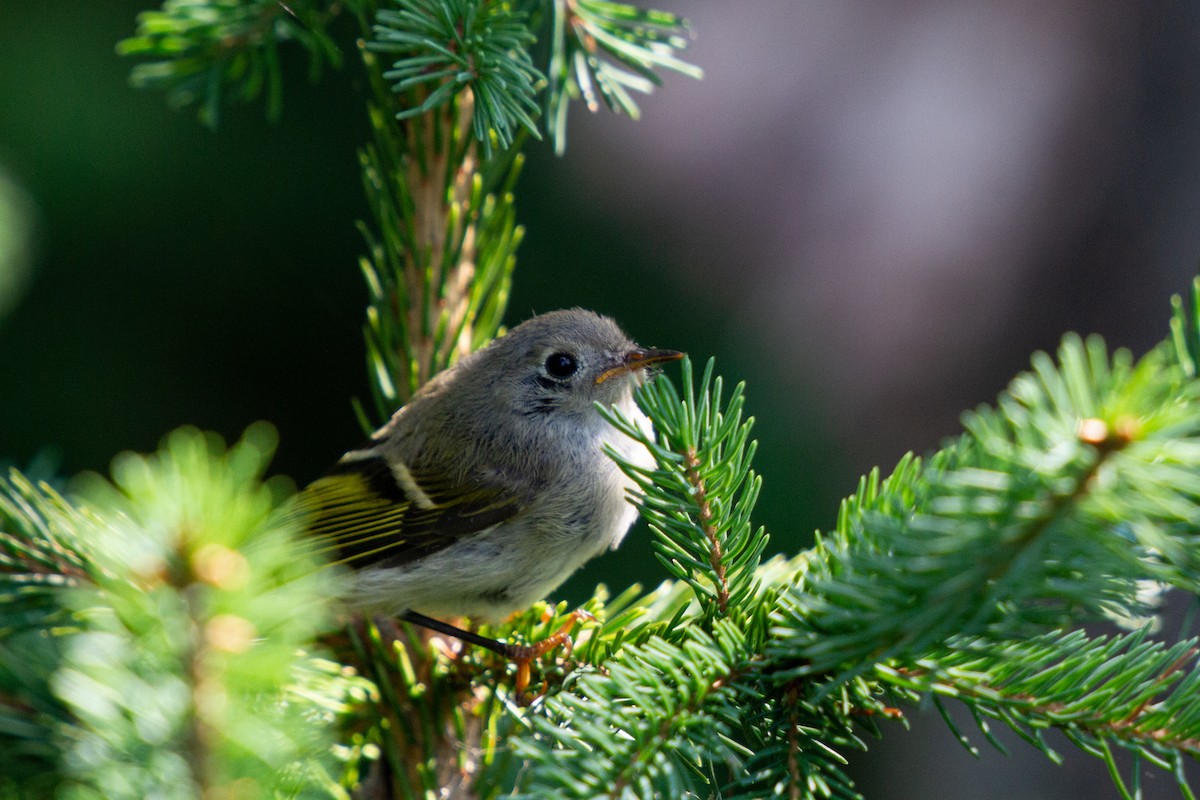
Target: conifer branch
x=36, y=548
x=201, y=52
x=418, y=713
x=40, y=560
x=198, y=51
x=1183, y=344
x=669, y=702
x=438, y=272
x=691, y=465
x=1128, y=691
x=799, y=744
x=993, y=533
x=439, y=269
x=699, y=497
x=600, y=51
x=445, y=48
x=183, y=620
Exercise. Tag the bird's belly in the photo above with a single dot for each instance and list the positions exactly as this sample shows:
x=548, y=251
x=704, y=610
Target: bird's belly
x=521, y=560
x=509, y=567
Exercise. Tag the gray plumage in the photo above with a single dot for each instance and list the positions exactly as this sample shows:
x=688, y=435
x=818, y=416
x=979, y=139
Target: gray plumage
x=491, y=486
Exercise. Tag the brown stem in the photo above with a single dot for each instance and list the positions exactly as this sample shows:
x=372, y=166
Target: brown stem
x=440, y=183
x=716, y=554
x=793, y=762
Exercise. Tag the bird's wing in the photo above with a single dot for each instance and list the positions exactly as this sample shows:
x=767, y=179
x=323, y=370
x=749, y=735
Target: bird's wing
x=368, y=510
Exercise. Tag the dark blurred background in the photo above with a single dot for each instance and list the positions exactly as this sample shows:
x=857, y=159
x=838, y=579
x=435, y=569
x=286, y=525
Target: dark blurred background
x=871, y=213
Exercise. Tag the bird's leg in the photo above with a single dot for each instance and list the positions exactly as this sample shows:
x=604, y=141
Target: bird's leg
x=521, y=655
x=446, y=628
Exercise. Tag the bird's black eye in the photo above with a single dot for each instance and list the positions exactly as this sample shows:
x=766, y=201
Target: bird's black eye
x=561, y=365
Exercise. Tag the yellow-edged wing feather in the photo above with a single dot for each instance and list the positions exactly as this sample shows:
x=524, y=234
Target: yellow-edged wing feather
x=364, y=515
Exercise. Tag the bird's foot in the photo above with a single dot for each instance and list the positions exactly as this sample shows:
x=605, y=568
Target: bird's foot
x=524, y=655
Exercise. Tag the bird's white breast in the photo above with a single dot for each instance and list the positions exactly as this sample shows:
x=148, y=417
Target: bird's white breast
x=512, y=565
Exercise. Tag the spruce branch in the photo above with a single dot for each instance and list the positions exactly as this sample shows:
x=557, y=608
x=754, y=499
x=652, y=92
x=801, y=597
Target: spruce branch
x=699, y=497
x=168, y=666
x=439, y=268
x=39, y=556
x=798, y=745
x=1046, y=512
x=200, y=51
x=1183, y=345
x=197, y=604
x=418, y=714
x=601, y=51
x=441, y=251
x=671, y=704
x=446, y=47
x=443, y=244
x=1124, y=691
x=31, y=715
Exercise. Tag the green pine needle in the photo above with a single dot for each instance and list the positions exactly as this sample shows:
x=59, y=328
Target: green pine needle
x=699, y=497
x=659, y=708
x=443, y=47
x=1184, y=342
x=1124, y=691
x=201, y=51
x=178, y=673
x=601, y=51
x=1049, y=510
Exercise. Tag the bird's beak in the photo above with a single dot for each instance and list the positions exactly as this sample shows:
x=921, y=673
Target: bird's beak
x=637, y=359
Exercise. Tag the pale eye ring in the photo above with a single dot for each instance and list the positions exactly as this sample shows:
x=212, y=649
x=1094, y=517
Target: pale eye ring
x=561, y=365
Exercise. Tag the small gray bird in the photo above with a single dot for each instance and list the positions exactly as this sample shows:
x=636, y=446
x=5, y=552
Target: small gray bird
x=491, y=486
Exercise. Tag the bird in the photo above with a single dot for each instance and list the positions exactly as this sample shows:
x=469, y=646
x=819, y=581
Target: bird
x=491, y=485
